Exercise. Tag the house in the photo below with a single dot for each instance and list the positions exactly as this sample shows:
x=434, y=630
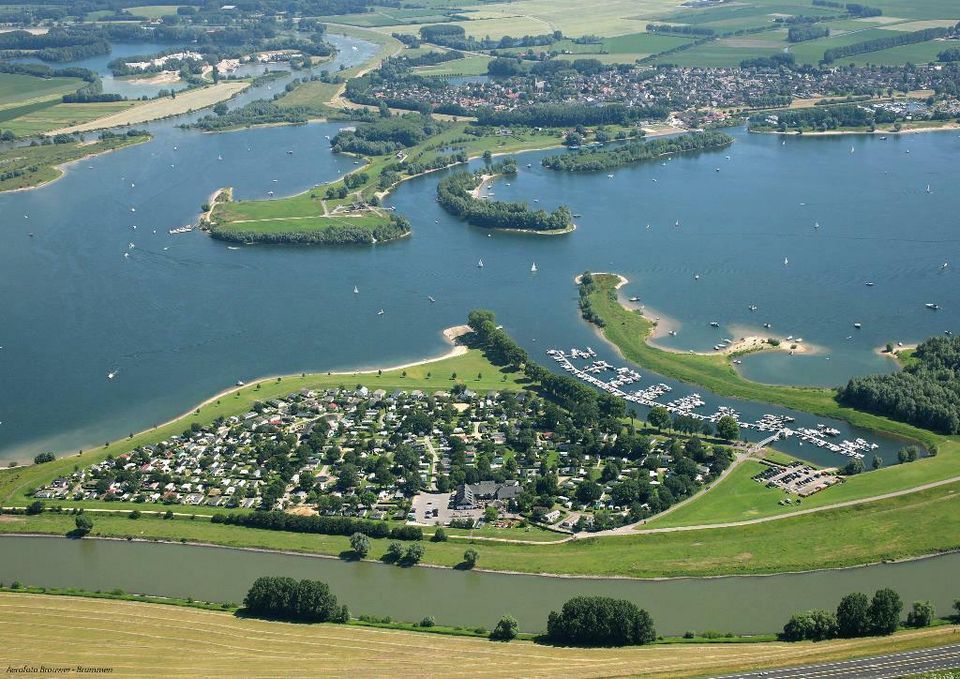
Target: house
x=472, y=495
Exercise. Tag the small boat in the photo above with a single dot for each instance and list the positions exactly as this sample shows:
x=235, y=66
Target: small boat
x=380, y=313
x=289, y=153
x=672, y=333
x=533, y=268
x=111, y=374
x=480, y=264
x=633, y=299
x=133, y=209
x=816, y=225
x=852, y=149
x=883, y=138
x=714, y=324
x=786, y=261
x=219, y=157
x=753, y=307
x=944, y=266
x=928, y=189
x=610, y=176
x=431, y=299
x=696, y=276
x=240, y=383
x=718, y=169
x=932, y=306
x=677, y=224
x=355, y=290
x=869, y=284
x=767, y=326
x=575, y=214
x=857, y=326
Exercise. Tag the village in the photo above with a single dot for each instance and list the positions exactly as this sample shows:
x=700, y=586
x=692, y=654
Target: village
x=455, y=458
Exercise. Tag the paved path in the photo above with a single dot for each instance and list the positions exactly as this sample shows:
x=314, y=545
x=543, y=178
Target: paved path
x=908, y=663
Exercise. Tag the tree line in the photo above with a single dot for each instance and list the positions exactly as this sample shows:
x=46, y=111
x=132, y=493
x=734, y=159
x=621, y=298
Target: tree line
x=926, y=393
x=387, y=135
x=671, y=29
x=857, y=616
x=606, y=158
x=803, y=33
x=324, y=525
x=570, y=115
x=280, y=598
x=340, y=233
x=454, y=195
x=879, y=44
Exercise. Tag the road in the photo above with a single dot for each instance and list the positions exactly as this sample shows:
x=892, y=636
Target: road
x=903, y=664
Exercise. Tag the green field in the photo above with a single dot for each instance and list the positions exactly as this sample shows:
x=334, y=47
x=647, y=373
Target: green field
x=39, y=164
x=471, y=65
x=912, y=525
x=811, y=51
x=389, y=16
x=153, y=11
x=154, y=640
x=18, y=90
x=57, y=116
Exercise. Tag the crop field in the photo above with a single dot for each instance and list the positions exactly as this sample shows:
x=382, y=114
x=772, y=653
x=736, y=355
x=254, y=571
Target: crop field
x=155, y=640
x=472, y=65
x=153, y=11
x=389, y=16
x=811, y=51
x=17, y=90
x=919, y=53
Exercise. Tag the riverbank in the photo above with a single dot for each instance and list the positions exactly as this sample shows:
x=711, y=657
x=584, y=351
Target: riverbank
x=947, y=126
x=39, y=166
x=262, y=648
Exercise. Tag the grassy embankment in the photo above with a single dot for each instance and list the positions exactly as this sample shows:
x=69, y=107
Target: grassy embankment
x=907, y=526
x=629, y=331
x=311, y=211
x=41, y=165
x=147, y=639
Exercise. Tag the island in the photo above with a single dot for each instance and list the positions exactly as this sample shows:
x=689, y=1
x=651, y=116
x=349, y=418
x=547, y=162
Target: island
x=459, y=194
x=599, y=158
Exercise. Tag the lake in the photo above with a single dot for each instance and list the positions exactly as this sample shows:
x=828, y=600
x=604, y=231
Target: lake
x=741, y=604
x=185, y=316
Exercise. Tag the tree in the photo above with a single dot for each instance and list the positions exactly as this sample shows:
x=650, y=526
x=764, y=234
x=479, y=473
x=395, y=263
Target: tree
x=286, y=599
x=395, y=551
x=877, y=462
x=439, y=535
x=600, y=621
x=490, y=513
x=814, y=625
x=470, y=557
x=884, y=612
x=84, y=524
x=922, y=614
x=853, y=467
x=414, y=553
x=44, y=457
x=506, y=629
x=659, y=417
x=360, y=544
x=589, y=492
x=35, y=507
x=853, y=617
x=728, y=428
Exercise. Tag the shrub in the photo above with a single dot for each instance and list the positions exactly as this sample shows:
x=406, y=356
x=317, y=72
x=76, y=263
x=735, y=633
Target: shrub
x=287, y=599
x=815, y=625
x=922, y=614
x=506, y=629
x=428, y=621
x=470, y=557
x=439, y=535
x=360, y=544
x=44, y=457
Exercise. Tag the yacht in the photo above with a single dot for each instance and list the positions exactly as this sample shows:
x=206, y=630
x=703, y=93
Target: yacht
x=431, y=298
x=696, y=276
x=380, y=313
x=533, y=268
x=869, y=284
x=857, y=326
x=932, y=306
x=786, y=261
x=714, y=324
x=767, y=326
x=480, y=264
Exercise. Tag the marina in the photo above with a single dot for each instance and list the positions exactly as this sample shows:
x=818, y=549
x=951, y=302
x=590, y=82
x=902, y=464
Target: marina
x=773, y=425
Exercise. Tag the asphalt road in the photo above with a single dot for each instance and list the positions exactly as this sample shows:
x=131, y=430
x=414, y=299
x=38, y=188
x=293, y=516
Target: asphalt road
x=877, y=667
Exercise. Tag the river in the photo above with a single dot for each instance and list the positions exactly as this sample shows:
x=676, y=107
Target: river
x=184, y=316
x=741, y=604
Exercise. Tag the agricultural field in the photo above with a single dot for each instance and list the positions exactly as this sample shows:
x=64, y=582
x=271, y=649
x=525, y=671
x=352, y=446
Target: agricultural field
x=472, y=65
x=18, y=90
x=389, y=16
x=156, y=640
x=153, y=11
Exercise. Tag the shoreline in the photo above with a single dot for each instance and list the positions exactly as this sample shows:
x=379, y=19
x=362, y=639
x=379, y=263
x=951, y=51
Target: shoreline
x=63, y=168
x=895, y=354
x=949, y=127
x=488, y=571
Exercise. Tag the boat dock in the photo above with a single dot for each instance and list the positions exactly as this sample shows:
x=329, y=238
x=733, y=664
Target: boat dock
x=774, y=425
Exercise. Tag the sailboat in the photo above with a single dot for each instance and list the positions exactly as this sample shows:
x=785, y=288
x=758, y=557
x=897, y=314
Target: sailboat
x=786, y=261
x=816, y=225
x=355, y=290
x=852, y=149
x=533, y=268
x=480, y=264
x=431, y=298
x=380, y=313
x=944, y=266
x=928, y=189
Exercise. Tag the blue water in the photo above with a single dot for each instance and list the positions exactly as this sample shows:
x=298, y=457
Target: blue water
x=184, y=322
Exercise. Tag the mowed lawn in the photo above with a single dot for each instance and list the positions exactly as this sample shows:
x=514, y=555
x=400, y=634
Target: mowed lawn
x=17, y=89
x=155, y=640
